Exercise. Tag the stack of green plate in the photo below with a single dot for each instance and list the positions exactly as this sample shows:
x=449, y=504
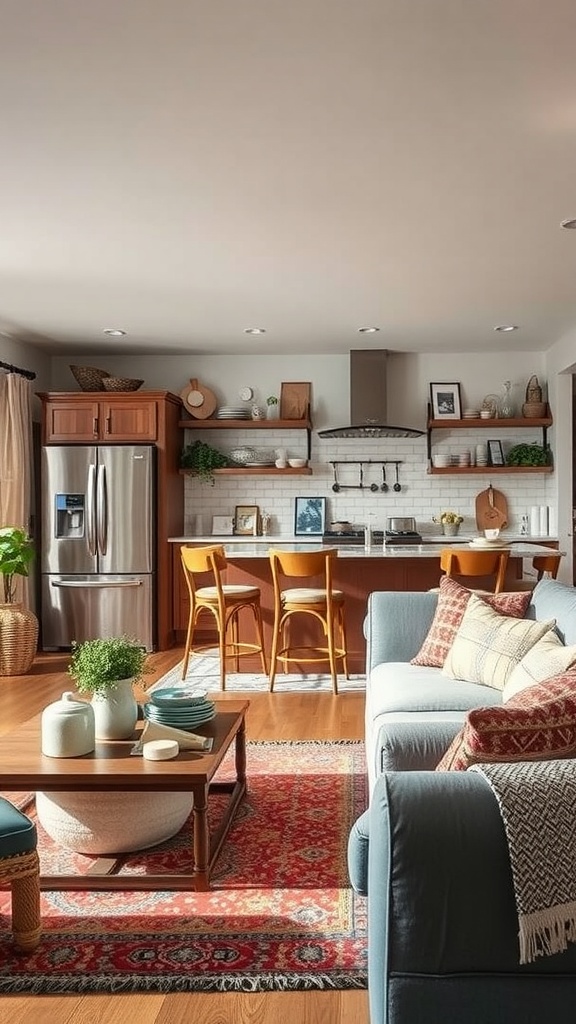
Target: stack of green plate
x=180, y=708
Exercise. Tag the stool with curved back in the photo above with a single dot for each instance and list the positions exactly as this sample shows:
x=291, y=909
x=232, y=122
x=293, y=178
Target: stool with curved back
x=224, y=601
x=546, y=566
x=20, y=869
x=456, y=562
x=319, y=601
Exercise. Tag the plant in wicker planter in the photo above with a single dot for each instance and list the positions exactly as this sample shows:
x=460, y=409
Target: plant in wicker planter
x=18, y=625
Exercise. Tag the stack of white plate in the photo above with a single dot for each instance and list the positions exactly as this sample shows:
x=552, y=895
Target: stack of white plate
x=232, y=412
x=483, y=542
x=471, y=414
x=180, y=708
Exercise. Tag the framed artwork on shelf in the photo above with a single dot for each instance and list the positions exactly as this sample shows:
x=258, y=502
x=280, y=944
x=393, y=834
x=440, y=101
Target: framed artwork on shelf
x=446, y=402
x=295, y=400
x=222, y=526
x=495, y=453
x=309, y=517
x=246, y=519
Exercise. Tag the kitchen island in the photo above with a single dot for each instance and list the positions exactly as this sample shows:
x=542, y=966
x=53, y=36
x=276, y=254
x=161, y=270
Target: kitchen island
x=358, y=572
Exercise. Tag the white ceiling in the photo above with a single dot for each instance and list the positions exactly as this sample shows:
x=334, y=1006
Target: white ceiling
x=190, y=168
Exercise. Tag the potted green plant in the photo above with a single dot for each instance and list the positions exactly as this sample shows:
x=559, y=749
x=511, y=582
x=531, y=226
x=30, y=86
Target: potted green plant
x=202, y=459
x=450, y=522
x=107, y=668
x=19, y=626
x=273, y=408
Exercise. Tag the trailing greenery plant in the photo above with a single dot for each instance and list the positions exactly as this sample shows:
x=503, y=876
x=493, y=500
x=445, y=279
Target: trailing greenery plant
x=527, y=455
x=98, y=665
x=202, y=459
x=16, y=554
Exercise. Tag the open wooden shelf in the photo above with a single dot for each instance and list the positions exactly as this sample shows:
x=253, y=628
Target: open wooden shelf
x=254, y=471
x=471, y=470
x=192, y=424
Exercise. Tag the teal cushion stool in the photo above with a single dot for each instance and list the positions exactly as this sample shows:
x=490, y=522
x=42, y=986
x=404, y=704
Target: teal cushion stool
x=20, y=869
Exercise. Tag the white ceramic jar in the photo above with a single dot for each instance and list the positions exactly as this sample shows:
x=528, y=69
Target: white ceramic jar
x=67, y=728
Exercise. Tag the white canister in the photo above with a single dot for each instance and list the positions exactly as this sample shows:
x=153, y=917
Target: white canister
x=67, y=728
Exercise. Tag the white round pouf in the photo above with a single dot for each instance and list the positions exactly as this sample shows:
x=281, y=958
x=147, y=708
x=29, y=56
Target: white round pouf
x=108, y=823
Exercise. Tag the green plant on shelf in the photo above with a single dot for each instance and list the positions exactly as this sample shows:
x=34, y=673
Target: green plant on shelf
x=528, y=455
x=202, y=459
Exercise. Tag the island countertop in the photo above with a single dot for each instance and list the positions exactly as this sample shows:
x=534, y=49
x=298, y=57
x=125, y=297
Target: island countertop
x=257, y=547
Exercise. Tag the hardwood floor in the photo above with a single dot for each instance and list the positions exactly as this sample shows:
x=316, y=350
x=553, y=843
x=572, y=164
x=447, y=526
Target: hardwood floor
x=289, y=716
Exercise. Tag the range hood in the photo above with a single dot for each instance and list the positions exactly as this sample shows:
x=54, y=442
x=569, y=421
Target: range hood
x=368, y=399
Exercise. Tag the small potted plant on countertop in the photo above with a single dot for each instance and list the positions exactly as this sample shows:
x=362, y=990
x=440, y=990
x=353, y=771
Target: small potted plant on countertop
x=450, y=522
x=19, y=624
x=107, y=668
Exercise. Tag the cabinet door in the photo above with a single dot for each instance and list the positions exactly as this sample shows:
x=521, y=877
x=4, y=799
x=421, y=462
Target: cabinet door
x=128, y=420
x=66, y=422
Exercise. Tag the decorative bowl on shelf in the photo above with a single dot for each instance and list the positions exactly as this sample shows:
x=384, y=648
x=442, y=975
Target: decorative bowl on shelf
x=297, y=463
x=243, y=455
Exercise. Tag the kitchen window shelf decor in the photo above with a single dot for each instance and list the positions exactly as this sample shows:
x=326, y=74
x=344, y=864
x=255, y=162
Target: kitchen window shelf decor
x=493, y=424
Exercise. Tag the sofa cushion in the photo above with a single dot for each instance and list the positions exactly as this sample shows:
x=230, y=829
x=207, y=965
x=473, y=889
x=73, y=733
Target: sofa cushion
x=452, y=601
x=548, y=658
x=538, y=724
x=398, y=686
x=553, y=600
x=488, y=646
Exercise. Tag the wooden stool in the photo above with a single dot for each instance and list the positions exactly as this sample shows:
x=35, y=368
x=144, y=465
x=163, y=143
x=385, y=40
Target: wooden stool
x=455, y=562
x=323, y=603
x=545, y=566
x=20, y=869
x=224, y=601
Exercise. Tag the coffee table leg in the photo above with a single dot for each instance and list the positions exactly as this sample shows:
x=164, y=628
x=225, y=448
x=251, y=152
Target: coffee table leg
x=240, y=754
x=201, y=840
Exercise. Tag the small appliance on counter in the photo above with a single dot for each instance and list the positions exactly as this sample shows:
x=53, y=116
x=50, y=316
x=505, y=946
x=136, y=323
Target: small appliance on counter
x=349, y=533
x=401, y=530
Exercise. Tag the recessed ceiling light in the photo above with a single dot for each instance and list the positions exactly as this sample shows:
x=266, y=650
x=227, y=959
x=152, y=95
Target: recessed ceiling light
x=368, y=330
x=114, y=332
x=254, y=330
x=569, y=223
x=506, y=327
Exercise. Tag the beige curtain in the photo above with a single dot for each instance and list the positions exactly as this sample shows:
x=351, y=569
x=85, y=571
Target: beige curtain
x=16, y=458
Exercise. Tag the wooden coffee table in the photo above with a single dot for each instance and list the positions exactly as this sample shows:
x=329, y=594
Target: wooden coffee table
x=112, y=768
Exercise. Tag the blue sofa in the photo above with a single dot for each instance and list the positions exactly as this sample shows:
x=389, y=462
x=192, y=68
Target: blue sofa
x=430, y=853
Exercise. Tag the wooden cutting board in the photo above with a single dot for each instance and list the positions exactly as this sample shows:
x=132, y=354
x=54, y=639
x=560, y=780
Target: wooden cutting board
x=198, y=399
x=491, y=509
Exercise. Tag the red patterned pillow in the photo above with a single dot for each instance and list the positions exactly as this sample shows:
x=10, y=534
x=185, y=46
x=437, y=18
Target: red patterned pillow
x=452, y=601
x=538, y=724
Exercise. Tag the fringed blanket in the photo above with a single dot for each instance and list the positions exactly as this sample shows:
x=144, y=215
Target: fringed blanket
x=537, y=801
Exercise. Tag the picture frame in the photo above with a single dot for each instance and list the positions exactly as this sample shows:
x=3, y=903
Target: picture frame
x=446, y=401
x=222, y=526
x=246, y=520
x=309, y=516
x=495, y=453
x=295, y=400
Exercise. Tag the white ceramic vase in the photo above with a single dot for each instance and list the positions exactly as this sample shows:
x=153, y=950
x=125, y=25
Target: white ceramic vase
x=115, y=712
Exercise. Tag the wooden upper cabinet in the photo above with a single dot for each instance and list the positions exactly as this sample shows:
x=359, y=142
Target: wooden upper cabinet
x=83, y=418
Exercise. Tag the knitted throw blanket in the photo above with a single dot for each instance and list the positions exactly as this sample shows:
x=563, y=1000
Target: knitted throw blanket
x=537, y=801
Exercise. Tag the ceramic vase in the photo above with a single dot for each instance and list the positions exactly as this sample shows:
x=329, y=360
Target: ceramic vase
x=115, y=712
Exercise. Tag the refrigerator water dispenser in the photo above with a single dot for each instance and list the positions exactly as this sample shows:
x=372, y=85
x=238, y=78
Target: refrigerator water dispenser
x=69, y=515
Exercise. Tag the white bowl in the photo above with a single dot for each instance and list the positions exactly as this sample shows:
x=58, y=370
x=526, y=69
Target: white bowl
x=297, y=463
x=492, y=534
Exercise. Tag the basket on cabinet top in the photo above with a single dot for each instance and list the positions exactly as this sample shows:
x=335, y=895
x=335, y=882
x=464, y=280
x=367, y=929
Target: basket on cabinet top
x=121, y=384
x=89, y=377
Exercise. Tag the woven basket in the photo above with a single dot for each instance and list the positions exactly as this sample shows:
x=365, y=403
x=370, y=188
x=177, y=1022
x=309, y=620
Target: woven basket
x=121, y=384
x=534, y=410
x=18, y=639
x=89, y=377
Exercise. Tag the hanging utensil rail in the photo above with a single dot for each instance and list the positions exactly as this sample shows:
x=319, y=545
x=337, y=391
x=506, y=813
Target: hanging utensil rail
x=360, y=486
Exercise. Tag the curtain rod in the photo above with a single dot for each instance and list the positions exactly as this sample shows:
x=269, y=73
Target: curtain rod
x=17, y=369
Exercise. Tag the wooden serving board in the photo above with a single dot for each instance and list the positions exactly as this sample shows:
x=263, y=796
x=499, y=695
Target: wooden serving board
x=198, y=399
x=491, y=509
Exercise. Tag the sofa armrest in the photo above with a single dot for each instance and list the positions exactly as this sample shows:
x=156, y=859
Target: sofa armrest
x=440, y=896
x=396, y=625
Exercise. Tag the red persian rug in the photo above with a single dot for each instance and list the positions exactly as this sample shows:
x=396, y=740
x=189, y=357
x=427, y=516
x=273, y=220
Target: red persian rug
x=281, y=914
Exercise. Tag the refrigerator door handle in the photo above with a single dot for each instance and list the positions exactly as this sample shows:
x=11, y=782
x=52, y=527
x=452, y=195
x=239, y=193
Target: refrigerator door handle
x=89, y=584
x=91, y=509
x=101, y=510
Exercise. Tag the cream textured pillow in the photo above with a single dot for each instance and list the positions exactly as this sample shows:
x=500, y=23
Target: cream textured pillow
x=488, y=646
x=549, y=657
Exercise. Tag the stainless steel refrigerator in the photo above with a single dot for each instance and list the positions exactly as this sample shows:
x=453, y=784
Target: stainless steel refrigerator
x=97, y=543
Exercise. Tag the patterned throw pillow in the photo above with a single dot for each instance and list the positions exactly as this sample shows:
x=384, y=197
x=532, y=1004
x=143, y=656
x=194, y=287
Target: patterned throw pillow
x=452, y=601
x=488, y=646
x=547, y=659
x=538, y=724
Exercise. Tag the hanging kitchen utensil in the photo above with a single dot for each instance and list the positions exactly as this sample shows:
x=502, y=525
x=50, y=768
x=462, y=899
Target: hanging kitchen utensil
x=199, y=400
x=335, y=485
x=491, y=509
x=384, y=486
x=396, y=486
